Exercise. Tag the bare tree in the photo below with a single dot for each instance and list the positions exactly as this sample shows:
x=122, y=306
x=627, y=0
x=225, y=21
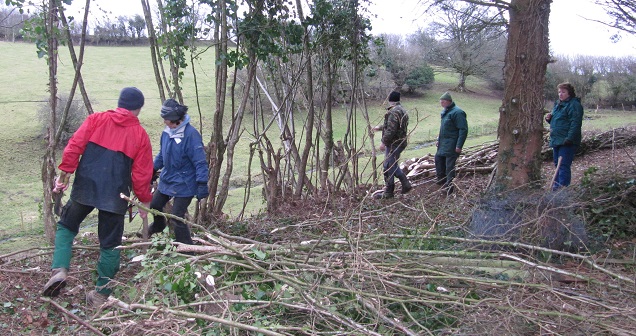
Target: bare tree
x=11, y=22
x=393, y=54
x=470, y=36
x=77, y=61
x=406, y=60
x=154, y=50
x=309, y=125
x=622, y=12
x=216, y=146
x=173, y=51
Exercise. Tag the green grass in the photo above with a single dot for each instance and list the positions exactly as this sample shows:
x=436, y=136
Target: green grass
x=107, y=69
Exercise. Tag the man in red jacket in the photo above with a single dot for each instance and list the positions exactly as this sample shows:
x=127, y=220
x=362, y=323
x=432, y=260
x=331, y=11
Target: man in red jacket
x=110, y=154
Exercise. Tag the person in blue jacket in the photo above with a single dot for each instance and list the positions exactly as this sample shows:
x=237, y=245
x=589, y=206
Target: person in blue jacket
x=184, y=169
x=565, y=122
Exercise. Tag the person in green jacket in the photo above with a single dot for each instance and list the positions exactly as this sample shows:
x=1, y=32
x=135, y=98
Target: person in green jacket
x=452, y=135
x=565, y=122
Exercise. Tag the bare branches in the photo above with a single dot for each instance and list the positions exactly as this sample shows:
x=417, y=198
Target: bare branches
x=622, y=12
x=73, y=316
x=365, y=283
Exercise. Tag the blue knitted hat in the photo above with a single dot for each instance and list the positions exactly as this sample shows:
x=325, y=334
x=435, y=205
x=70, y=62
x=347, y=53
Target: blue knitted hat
x=130, y=98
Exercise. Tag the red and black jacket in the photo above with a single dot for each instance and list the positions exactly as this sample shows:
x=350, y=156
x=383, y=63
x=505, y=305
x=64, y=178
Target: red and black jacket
x=116, y=156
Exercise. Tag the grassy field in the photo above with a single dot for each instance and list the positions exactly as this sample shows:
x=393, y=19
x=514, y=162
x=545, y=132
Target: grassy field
x=107, y=69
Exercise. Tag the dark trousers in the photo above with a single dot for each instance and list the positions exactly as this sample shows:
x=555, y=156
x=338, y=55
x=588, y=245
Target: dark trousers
x=445, y=169
x=564, y=173
x=110, y=228
x=179, y=209
x=392, y=168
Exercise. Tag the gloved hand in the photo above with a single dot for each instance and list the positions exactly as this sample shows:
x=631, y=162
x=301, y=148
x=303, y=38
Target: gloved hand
x=567, y=142
x=143, y=213
x=61, y=182
x=155, y=176
x=548, y=117
x=202, y=190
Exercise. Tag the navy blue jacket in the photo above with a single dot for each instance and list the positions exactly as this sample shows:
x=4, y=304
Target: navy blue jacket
x=182, y=161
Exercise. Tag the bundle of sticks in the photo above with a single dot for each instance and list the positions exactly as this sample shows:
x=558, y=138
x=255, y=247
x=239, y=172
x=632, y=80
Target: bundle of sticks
x=483, y=158
x=477, y=159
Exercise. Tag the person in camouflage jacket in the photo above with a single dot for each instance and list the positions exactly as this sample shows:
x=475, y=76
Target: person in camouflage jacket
x=394, y=139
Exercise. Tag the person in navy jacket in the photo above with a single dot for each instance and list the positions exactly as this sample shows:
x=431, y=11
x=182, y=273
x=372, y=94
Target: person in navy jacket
x=184, y=169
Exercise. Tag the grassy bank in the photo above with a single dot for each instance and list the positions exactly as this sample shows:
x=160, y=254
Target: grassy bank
x=107, y=69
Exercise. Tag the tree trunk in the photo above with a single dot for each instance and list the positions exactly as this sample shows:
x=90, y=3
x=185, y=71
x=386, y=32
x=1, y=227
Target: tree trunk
x=327, y=129
x=77, y=64
x=216, y=147
x=461, y=86
x=520, y=122
x=48, y=162
x=309, y=124
x=357, y=100
x=154, y=48
x=174, y=67
x=235, y=132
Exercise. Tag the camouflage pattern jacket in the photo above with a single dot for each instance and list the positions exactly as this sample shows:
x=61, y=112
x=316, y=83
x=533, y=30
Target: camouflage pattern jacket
x=394, y=130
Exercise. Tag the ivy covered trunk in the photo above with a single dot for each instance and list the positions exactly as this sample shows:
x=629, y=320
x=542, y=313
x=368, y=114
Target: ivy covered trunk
x=48, y=162
x=216, y=146
x=521, y=114
x=154, y=48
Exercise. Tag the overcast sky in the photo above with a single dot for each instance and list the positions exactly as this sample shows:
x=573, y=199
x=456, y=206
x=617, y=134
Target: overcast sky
x=570, y=32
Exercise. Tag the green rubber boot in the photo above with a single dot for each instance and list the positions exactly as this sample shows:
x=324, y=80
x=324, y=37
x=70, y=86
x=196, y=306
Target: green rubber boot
x=107, y=267
x=63, y=246
x=61, y=261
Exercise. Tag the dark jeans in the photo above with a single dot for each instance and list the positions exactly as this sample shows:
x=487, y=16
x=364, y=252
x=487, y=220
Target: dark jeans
x=179, y=209
x=445, y=169
x=392, y=168
x=564, y=173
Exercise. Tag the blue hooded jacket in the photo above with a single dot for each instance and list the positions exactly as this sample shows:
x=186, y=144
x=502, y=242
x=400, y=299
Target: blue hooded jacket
x=182, y=161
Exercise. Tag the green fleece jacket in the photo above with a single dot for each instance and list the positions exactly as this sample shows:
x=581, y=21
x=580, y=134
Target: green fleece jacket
x=566, y=122
x=453, y=131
